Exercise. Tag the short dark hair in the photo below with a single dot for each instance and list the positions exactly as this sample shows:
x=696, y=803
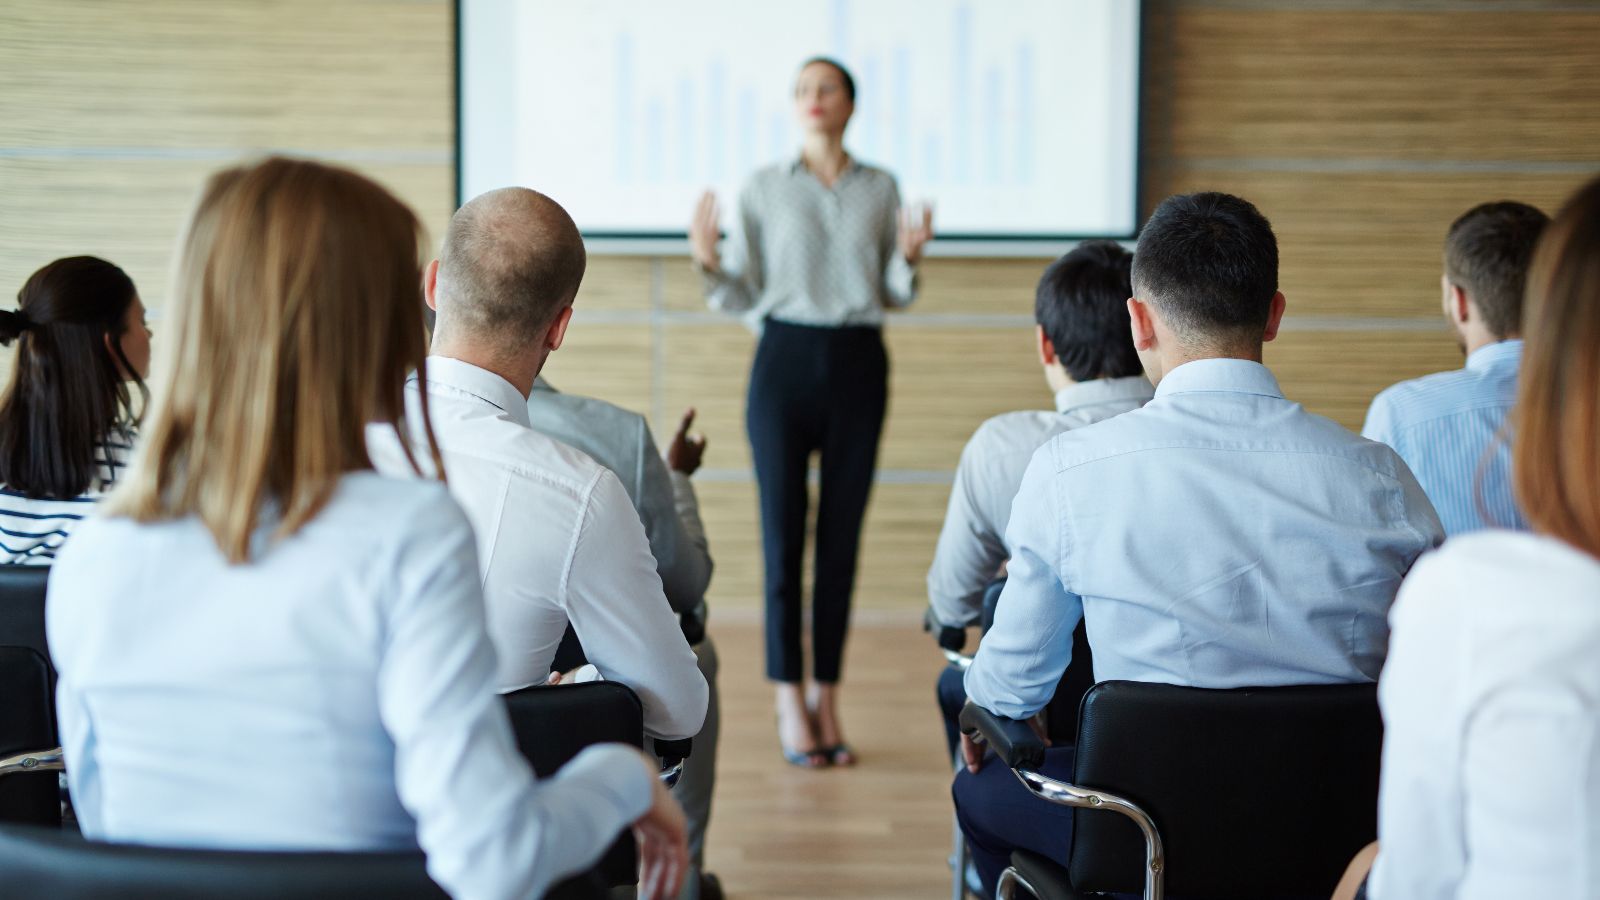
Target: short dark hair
x=69, y=391
x=1209, y=263
x=1487, y=253
x=1082, y=305
x=849, y=80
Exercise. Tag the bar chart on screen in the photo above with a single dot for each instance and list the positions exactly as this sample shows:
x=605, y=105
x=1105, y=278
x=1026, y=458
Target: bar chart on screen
x=1013, y=118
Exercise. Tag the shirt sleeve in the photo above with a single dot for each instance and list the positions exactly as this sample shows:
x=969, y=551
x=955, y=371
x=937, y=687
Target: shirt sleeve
x=899, y=276
x=488, y=829
x=970, y=548
x=671, y=517
x=1027, y=649
x=617, y=607
x=1379, y=425
x=737, y=284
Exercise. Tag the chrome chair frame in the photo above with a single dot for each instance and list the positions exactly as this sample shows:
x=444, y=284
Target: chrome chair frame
x=51, y=760
x=1065, y=794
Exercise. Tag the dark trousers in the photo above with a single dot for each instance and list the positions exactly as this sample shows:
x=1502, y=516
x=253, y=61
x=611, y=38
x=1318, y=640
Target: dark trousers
x=813, y=390
x=999, y=815
x=952, y=692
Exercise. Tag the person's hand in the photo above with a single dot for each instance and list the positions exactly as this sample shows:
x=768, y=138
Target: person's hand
x=972, y=745
x=704, y=232
x=686, y=450
x=663, y=838
x=915, y=230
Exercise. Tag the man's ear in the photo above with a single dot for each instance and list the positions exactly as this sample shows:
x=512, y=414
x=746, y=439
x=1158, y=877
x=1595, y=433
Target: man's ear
x=558, y=329
x=430, y=285
x=1142, y=322
x=1274, y=316
x=1047, y=350
x=1459, y=307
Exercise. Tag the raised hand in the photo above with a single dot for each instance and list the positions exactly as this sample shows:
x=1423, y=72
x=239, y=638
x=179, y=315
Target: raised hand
x=686, y=450
x=916, y=229
x=704, y=232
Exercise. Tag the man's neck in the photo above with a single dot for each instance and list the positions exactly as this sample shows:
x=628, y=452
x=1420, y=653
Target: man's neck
x=520, y=372
x=1180, y=356
x=1476, y=341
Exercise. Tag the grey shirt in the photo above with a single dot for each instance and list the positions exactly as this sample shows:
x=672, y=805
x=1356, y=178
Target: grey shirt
x=620, y=440
x=812, y=255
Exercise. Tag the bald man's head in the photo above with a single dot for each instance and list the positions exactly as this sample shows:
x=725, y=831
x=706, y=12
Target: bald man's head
x=512, y=260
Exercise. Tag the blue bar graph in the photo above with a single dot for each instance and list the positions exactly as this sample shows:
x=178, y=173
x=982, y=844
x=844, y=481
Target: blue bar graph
x=685, y=131
x=961, y=75
x=900, y=114
x=716, y=111
x=624, y=110
x=655, y=141
x=747, y=130
x=1025, y=95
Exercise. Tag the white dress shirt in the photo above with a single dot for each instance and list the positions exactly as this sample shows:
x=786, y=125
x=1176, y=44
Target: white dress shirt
x=972, y=541
x=1491, y=709
x=558, y=541
x=335, y=693
x=1219, y=537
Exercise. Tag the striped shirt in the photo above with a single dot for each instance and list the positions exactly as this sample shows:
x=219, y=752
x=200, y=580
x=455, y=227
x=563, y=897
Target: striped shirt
x=807, y=254
x=32, y=529
x=1445, y=426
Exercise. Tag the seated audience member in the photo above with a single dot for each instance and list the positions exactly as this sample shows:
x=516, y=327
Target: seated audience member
x=1446, y=426
x=1219, y=537
x=1491, y=696
x=68, y=415
x=558, y=538
x=665, y=500
x=265, y=645
x=1084, y=345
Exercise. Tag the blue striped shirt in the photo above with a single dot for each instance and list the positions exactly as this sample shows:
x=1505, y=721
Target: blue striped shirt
x=32, y=529
x=1446, y=427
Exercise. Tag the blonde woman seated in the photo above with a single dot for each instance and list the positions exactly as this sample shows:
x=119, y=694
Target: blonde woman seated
x=265, y=645
x=68, y=414
x=1491, y=695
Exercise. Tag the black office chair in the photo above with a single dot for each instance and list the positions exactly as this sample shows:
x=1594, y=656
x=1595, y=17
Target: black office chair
x=552, y=724
x=28, y=736
x=44, y=864
x=1248, y=793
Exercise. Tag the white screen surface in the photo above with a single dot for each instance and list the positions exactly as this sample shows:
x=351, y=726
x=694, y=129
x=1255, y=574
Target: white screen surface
x=1013, y=118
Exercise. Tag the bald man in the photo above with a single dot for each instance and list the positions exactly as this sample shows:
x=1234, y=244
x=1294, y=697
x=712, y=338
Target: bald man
x=558, y=538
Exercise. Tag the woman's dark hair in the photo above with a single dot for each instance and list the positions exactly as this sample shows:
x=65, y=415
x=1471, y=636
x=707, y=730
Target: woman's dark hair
x=849, y=81
x=68, y=392
x=1082, y=304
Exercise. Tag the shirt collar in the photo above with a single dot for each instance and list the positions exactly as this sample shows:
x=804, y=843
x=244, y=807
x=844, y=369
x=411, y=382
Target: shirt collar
x=1235, y=376
x=1102, y=391
x=1489, y=357
x=797, y=166
x=463, y=378
x=540, y=384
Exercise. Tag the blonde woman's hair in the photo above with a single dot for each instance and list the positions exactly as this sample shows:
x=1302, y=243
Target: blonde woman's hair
x=1557, y=441
x=296, y=315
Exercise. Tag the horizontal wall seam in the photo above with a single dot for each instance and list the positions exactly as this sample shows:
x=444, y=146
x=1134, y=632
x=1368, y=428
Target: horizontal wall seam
x=412, y=156
x=1376, y=166
x=936, y=320
x=1453, y=6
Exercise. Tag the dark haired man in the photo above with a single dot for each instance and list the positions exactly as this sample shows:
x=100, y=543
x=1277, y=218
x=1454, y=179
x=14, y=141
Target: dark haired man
x=1089, y=362
x=1446, y=425
x=1219, y=537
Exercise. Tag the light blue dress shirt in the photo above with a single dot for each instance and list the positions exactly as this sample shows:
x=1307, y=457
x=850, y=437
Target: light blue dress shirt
x=1219, y=537
x=1445, y=427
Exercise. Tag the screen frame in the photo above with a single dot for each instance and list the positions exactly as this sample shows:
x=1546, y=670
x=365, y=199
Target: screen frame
x=1018, y=244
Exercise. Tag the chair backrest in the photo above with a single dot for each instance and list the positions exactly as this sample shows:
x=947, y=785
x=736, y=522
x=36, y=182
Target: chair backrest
x=554, y=724
x=1257, y=792
x=45, y=864
x=27, y=695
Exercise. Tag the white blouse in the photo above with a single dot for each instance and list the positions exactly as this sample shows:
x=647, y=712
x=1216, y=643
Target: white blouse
x=336, y=693
x=1491, y=707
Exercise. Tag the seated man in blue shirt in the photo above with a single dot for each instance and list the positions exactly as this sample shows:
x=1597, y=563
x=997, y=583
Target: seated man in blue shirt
x=1219, y=537
x=1446, y=426
x=1089, y=363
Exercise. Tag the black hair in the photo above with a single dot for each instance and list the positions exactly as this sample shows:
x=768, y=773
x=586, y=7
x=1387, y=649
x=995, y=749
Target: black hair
x=1209, y=263
x=849, y=80
x=68, y=392
x=1082, y=305
x=1487, y=253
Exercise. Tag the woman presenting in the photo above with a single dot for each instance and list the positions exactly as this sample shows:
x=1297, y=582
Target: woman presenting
x=819, y=250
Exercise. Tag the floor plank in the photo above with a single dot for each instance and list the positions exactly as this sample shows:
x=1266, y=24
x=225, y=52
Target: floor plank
x=880, y=830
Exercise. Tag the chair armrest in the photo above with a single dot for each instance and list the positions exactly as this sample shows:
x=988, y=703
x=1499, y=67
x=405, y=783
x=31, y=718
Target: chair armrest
x=1013, y=741
x=950, y=637
x=673, y=750
x=49, y=760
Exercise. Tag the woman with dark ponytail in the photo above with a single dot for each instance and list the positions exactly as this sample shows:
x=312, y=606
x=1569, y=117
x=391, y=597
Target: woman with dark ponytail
x=67, y=415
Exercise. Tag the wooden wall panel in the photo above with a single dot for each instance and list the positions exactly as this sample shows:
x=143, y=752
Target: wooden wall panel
x=1493, y=84
x=1337, y=373
x=603, y=360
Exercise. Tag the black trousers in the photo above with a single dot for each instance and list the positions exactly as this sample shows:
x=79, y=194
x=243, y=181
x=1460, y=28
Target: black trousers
x=813, y=390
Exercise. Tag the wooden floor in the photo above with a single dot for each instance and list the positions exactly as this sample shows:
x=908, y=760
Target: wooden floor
x=879, y=830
